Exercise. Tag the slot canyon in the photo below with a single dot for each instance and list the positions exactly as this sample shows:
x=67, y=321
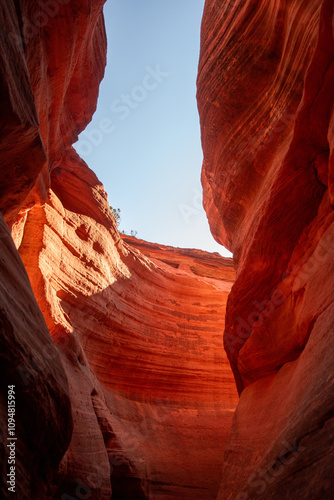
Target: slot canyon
x=143, y=371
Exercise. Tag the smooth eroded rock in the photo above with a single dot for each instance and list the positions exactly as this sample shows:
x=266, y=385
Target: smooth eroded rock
x=141, y=328
x=265, y=94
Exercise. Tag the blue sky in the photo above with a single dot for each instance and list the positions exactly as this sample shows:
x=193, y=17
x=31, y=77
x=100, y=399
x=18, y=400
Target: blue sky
x=144, y=140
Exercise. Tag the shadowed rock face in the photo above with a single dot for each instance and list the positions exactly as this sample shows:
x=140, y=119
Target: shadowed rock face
x=115, y=346
x=265, y=95
x=42, y=410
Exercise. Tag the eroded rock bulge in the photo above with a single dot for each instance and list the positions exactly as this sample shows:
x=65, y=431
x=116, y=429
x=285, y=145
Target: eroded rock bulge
x=45, y=102
x=39, y=120
x=48, y=51
x=40, y=419
x=265, y=96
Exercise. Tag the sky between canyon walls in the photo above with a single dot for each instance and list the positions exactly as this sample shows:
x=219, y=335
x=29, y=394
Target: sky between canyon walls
x=144, y=140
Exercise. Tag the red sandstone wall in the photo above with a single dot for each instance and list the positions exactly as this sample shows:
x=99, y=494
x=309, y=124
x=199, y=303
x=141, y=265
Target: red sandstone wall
x=36, y=84
x=265, y=95
x=42, y=408
x=142, y=341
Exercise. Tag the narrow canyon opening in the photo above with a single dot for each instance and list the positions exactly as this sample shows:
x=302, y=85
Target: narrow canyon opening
x=144, y=139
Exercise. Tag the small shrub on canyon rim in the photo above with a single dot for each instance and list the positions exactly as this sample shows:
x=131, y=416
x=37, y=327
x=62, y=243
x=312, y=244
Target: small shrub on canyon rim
x=117, y=214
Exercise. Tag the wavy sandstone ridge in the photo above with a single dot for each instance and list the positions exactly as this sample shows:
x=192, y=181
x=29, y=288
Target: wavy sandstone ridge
x=142, y=342
x=134, y=397
x=265, y=95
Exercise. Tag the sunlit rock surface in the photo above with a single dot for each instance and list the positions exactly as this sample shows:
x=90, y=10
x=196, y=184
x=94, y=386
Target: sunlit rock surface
x=129, y=395
x=265, y=95
x=142, y=338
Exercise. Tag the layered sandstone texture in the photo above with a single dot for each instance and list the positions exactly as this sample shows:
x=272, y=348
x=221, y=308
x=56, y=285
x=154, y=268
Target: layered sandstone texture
x=142, y=338
x=115, y=345
x=36, y=85
x=265, y=96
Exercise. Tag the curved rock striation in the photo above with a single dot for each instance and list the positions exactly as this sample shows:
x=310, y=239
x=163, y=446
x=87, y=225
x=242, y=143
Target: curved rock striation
x=140, y=326
x=52, y=54
x=265, y=96
x=45, y=103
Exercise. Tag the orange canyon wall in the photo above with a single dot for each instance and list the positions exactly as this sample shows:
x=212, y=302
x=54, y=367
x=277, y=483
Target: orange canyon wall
x=115, y=345
x=265, y=96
